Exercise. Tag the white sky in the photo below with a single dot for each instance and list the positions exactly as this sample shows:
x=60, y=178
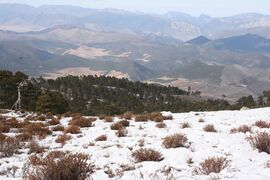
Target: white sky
x=193, y=7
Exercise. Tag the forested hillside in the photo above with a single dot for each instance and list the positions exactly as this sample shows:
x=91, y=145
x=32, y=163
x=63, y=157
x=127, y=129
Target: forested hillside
x=93, y=95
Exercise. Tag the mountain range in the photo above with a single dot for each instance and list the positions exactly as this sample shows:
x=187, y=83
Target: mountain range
x=221, y=57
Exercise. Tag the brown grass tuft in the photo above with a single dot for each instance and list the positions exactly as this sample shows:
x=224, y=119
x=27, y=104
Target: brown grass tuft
x=168, y=117
x=121, y=132
x=37, y=129
x=60, y=166
x=58, y=128
x=161, y=125
x=63, y=139
x=156, y=116
x=185, y=125
x=241, y=129
x=175, y=141
x=108, y=119
x=213, y=165
x=78, y=120
x=9, y=146
x=209, y=128
x=120, y=125
x=261, y=141
x=262, y=124
x=34, y=147
x=54, y=122
x=73, y=129
x=127, y=116
x=101, y=138
x=149, y=154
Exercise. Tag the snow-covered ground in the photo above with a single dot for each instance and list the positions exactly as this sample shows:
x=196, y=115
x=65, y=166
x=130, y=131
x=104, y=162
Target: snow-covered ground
x=247, y=163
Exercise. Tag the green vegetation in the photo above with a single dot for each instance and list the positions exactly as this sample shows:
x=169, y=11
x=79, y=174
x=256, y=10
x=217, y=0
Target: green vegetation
x=92, y=95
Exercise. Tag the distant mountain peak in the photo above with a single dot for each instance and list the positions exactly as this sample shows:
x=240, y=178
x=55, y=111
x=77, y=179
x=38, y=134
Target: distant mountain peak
x=200, y=40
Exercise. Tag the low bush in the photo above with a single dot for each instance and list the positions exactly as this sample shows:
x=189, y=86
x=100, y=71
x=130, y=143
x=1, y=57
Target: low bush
x=127, y=116
x=145, y=154
x=242, y=129
x=34, y=147
x=260, y=141
x=142, y=118
x=262, y=124
x=24, y=137
x=121, y=132
x=54, y=122
x=81, y=121
x=175, y=141
x=209, y=128
x=120, y=125
x=161, y=125
x=58, y=128
x=108, y=119
x=101, y=138
x=9, y=146
x=73, y=129
x=59, y=165
x=185, y=125
x=62, y=139
x=156, y=116
x=168, y=117
x=37, y=129
x=213, y=165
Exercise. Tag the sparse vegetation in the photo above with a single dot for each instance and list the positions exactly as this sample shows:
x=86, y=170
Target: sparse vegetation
x=63, y=138
x=175, y=141
x=101, y=138
x=34, y=147
x=209, y=128
x=213, y=165
x=59, y=165
x=262, y=124
x=161, y=125
x=144, y=154
x=73, y=129
x=121, y=132
x=185, y=125
x=260, y=141
x=242, y=129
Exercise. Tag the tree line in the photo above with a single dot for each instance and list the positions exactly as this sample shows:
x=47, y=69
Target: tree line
x=92, y=95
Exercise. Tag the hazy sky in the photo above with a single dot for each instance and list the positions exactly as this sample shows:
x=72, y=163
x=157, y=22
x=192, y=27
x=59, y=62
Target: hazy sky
x=194, y=7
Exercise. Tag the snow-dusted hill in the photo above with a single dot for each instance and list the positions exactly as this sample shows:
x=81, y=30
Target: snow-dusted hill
x=113, y=157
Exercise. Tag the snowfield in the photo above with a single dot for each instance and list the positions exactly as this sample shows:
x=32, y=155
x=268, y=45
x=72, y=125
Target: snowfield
x=113, y=157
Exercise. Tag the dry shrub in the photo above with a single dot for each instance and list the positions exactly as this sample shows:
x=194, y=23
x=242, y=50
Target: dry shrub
x=261, y=141
x=4, y=128
x=13, y=123
x=34, y=147
x=24, y=137
x=63, y=139
x=58, y=128
x=142, y=118
x=201, y=120
x=262, y=124
x=147, y=154
x=168, y=117
x=2, y=137
x=185, y=125
x=54, y=122
x=141, y=142
x=242, y=129
x=37, y=129
x=121, y=132
x=213, y=165
x=101, y=138
x=156, y=116
x=101, y=116
x=81, y=121
x=41, y=118
x=120, y=125
x=9, y=146
x=161, y=125
x=209, y=128
x=73, y=129
x=49, y=115
x=127, y=116
x=108, y=119
x=175, y=141
x=59, y=165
